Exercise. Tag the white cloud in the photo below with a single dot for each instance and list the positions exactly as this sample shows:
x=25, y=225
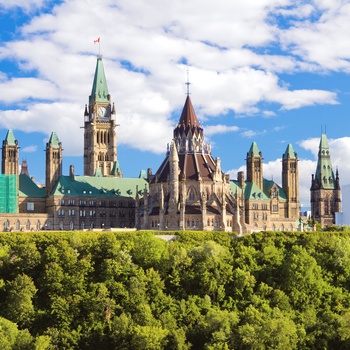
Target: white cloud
x=25, y=5
x=21, y=89
x=29, y=149
x=220, y=129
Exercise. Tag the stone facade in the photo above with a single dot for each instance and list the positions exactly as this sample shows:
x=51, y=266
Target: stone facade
x=189, y=191
x=325, y=188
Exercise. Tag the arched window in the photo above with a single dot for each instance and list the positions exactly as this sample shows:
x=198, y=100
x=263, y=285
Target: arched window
x=18, y=225
x=28, y=225
x=38, y=225
x=191, y=194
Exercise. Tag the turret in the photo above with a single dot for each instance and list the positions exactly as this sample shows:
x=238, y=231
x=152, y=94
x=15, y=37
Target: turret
x=255, y=166
x=53, y=162
x=290, y=180
x=10, y=154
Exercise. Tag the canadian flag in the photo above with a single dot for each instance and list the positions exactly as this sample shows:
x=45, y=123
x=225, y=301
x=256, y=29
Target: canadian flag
x=97, y=41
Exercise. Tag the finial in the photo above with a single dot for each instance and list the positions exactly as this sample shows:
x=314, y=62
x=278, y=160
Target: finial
x=188, y=82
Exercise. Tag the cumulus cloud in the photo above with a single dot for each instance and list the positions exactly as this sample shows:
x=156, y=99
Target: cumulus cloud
x=220, y=129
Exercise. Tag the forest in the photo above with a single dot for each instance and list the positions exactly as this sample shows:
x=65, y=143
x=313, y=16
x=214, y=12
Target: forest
x=201, y=290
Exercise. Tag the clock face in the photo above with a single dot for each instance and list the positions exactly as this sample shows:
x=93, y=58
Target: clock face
x=101, y=112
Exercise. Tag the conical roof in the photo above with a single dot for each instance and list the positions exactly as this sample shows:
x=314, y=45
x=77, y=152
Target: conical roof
x=54, y=141
x=188, y=120
x=254, y=150
x=10, y=138
x=99, y=92
x=289, y=153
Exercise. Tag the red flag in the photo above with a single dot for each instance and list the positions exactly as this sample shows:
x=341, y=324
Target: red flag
x=97, y=41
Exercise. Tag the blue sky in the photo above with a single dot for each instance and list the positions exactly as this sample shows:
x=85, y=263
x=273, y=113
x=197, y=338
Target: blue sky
x=270, y=71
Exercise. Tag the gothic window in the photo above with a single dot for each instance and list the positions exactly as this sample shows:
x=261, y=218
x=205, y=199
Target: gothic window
x=191, y=194
x=71, y=225
x=38, y=225
x=188, y=222
x=197, y=222
x=28, y=225
x=18, y=225
x=326, y=206
x=60, y=225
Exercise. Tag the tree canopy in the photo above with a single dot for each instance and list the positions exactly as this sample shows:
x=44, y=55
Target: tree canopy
x=202, y=290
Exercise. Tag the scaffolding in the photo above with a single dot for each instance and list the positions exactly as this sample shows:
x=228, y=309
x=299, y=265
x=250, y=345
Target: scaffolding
x=8, y=193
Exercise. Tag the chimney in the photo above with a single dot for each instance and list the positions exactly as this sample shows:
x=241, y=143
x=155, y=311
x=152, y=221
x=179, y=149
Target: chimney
x=71, y=172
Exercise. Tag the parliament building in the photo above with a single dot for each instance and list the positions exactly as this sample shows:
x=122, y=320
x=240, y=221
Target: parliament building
x=189, y=190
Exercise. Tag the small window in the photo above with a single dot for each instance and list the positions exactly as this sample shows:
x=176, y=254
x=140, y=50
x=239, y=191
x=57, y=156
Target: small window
x=30, y=206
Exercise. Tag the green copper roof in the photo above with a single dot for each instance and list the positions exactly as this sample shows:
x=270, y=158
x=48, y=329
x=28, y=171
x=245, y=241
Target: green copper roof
x=99, y=92
x=28, y=188
x=289, y=153
x=324, y=170
x=102, y=187
x=116, y=169
x=253, y=192
x=10, y=138
x=254, y=150
x=54, y=141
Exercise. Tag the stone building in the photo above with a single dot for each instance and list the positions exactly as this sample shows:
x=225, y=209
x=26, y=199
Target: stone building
x=189, y=191
x=325, y=187
x=101, y=198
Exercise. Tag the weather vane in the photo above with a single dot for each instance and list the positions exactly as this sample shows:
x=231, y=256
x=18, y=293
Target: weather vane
x=188, y=82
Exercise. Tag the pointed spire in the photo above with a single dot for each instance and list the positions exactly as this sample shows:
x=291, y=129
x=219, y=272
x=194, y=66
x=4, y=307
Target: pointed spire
x=188, y=120
x=24, y=168
x=99, y=92
x=174, y=157
x=10, y=138
x=254, y=150
x=54, y=141
x=324, y=171
x=289, y=153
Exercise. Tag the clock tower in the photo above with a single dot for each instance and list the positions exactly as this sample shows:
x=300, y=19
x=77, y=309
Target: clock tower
x=100, y=140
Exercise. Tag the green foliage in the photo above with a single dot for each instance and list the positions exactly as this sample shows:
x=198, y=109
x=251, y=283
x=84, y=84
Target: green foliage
x=203, y=290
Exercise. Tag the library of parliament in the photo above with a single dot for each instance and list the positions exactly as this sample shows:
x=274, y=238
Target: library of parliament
x=189, y=191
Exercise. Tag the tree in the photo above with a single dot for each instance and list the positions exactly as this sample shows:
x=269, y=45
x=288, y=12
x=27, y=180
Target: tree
x=19, y=300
